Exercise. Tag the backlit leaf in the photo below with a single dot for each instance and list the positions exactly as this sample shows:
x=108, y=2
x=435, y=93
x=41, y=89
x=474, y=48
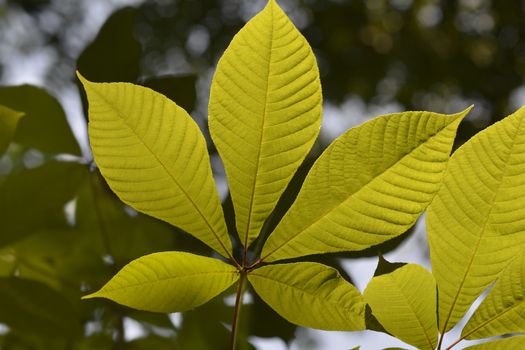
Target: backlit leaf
x=477, y=219
x=154, y=157
x=264, y=113
x=514, y=343
x=503, y=310
x=44, y=125
x=369, y=185
x=404, y=301
x=168, y=282
x=8, y=121
x=310, y=295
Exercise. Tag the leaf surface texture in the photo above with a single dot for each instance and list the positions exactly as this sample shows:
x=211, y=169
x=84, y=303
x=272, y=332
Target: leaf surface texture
x=264, y=113
x=503, y=310
x=513, y=343
x=154, y=157
x=310, y=295
x=369, y=185
x=404, y=301
x=168, y=282
x=476, y=222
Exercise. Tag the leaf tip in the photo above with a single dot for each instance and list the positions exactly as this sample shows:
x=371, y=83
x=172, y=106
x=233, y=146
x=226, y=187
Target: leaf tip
x=91, y=296
x=272, y=4
x=464, y=112
x=80, y=77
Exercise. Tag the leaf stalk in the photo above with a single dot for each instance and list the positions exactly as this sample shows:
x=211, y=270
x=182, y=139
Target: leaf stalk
x=237, y=310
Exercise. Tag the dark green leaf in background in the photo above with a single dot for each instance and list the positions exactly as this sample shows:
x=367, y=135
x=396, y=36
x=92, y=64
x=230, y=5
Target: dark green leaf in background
x=34, y=199
x=384, y=266
x=8, y=121
x=44, y=125
x=114, y=55
x=123, y=235
x=36, y=308
x=180, y=89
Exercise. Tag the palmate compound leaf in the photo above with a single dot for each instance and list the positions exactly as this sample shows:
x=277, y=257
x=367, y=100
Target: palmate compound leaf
x=514, y=343
x=404, y=301
x=476, y=222
x=503, y=310
x=168, y=282
x=264, y=113
x=310, y=295
x=369, y=185
x=154, y=157
x=8, y=121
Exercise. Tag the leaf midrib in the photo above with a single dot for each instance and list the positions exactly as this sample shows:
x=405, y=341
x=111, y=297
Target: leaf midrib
x=263, y=122
x=162, y=280
x=312, y=295
x=292, y=237
x=493, y=318
x=414, y=313
x=482, y=231
x=212, y=230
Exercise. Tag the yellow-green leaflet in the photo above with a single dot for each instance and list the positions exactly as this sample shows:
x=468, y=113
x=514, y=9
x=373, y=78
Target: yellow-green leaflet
x=8, y=121
x=503, y=310
x=310, y=295
x=514, y=343
x=264, y=113
x=404, y=302
x=168, y=282
x=369, y=185
x=476, y=222
x=154, y=157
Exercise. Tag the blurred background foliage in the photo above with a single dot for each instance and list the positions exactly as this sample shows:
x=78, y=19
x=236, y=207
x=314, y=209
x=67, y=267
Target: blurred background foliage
x=62, y=231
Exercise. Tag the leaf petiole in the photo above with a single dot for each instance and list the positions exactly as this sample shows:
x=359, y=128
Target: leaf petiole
x=237, y=310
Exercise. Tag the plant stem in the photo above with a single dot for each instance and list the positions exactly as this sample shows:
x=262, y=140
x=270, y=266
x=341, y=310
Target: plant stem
x=237, y=311
x=120, y=336
x=455, y=343
x=441, y=340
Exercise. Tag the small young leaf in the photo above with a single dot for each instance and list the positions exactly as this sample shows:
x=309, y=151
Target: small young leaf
x=8, y=122
x=265, y=113
x=503, y=310
x=154, y=157
x=404, y=301
x=310, y=295
x=168, y=282
x=369, y=186
x=513, y=343
x=476, y=221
